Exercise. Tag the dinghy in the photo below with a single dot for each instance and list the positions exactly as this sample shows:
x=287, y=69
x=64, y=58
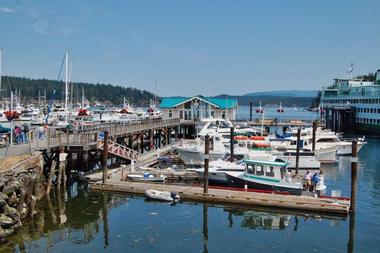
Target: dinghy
x=147, y=177
x=162, y=195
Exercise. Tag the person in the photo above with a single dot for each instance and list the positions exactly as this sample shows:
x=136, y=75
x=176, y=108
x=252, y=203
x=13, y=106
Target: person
x=315, y=180
x=307, y=180
x=17, y=134
x=25, y=132
x=288, y=176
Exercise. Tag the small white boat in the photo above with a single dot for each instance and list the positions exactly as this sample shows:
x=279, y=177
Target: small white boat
x=162, y=195
x=147, y=177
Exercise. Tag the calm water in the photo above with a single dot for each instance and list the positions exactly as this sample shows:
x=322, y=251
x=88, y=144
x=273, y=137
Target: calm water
x=289, y=113
x=82, y=221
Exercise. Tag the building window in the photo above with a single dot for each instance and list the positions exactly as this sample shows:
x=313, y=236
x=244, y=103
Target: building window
x=170, y=113
x=181, y=114
x=223, y=114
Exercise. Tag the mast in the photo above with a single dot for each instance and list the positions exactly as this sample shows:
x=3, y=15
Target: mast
x=82, y=97
x=66, y=83
x=155, y=91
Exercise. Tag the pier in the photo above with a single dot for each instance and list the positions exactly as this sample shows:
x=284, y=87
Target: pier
x=228, y=196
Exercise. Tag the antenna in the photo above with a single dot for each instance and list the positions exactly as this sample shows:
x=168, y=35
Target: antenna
x=351, y=70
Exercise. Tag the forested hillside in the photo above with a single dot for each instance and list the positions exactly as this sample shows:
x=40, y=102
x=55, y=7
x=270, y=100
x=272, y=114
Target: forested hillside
x=30, y=89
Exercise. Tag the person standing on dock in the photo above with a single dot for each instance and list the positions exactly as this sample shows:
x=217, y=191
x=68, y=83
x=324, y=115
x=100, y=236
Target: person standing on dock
x=307, y=180
x=315, y=180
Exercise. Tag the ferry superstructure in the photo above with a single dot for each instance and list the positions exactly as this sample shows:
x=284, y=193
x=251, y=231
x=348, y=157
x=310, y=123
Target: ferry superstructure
x=352, y=105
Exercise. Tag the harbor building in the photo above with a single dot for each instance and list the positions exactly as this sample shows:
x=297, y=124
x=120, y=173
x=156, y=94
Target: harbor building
x=198, y=107
x=352, y=105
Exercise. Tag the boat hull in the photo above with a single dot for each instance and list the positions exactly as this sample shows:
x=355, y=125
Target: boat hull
x=235, y=181
x=195, y=157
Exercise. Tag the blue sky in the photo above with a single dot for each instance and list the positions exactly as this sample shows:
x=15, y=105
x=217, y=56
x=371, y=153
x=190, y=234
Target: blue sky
x=192, y=47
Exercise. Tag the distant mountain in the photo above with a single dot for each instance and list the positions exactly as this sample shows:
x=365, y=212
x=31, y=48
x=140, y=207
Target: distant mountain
x=284, y=93
x=268, y=100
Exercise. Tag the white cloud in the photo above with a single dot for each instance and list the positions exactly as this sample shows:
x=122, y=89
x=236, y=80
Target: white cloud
x=6, y=10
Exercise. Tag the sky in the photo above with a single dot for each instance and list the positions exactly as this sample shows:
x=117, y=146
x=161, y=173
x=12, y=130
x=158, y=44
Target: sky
x=192, y=46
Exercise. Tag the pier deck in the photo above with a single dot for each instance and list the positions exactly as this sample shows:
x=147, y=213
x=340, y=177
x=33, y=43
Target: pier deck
x=227, y=196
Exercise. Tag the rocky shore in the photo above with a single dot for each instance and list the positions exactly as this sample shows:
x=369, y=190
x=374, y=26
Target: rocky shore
x=22, y=183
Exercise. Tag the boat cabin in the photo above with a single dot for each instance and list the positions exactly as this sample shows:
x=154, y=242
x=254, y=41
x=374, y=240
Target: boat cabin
x=270, y=171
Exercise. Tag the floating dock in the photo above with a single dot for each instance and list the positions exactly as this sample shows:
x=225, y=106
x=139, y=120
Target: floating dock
x=227, y=196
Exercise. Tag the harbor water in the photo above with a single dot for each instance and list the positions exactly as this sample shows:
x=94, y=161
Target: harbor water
x=80, y=220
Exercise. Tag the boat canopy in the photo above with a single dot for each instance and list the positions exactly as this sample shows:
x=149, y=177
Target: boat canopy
x=280, y=164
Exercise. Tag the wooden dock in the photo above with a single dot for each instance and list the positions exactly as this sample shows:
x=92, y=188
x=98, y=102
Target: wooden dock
x=226, y=196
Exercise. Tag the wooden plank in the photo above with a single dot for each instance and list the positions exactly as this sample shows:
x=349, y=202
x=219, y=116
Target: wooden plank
x=232, y=197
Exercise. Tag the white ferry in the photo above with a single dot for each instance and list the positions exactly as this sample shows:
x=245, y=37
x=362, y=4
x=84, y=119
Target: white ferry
x=352, y=105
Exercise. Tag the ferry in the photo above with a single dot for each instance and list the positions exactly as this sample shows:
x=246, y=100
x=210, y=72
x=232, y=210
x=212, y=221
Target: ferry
x=353, y=104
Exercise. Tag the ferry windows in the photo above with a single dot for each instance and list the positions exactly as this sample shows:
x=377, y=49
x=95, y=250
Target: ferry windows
x=259, y=170
x=378, y=110
x=269, y=171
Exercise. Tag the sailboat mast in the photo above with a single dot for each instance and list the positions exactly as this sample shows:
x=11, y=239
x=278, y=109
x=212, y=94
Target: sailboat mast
x=66, y=84
x=155, y=91
x=82, y=97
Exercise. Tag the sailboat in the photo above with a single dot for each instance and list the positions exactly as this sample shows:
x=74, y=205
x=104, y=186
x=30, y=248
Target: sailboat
x=260, y=109
x=64, y=122
x=280, y=109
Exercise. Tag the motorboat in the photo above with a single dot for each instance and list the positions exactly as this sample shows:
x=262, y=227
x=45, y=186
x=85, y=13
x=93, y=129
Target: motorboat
x=264, y=175
x=146, y=177
x=217, y=169
x=193, y=152
x=307, y=159
x=162, y=195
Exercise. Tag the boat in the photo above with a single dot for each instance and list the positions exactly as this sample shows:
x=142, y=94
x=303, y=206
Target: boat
x=265, y=175
x=217, y=169
x=146, y=177
x=260, y=109
x=193, y=152
x=307, y=159
x=360, y=96
x=162, y=195
x=280, y=109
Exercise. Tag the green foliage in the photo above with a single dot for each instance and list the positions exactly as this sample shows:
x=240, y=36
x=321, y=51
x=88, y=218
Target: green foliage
x=317, y=100
x=371, y=77
x=106, y=93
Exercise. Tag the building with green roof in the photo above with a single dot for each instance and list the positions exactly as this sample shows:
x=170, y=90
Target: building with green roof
x=198, y=107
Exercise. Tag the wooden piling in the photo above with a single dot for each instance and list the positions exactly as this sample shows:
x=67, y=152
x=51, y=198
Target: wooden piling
x=232, y=144
x=354, y=167
x=205, y=174
x=314, y=134
x=250, y=111
x=298, y=149
x=105, y=157
x=60, y=167
x=51, y=175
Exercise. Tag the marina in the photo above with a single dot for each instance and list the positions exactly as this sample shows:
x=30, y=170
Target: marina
x=188, y=126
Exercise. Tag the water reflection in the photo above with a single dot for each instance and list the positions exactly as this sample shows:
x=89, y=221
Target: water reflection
x=83, y=218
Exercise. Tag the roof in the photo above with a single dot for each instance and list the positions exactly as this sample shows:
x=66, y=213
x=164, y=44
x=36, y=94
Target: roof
x=221, y=103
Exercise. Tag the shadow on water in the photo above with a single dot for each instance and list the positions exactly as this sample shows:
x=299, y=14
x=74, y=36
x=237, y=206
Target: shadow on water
x=78, y=217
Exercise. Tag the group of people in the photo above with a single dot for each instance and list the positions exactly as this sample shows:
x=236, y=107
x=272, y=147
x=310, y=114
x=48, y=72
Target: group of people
x=21, y=134
x=311, y=180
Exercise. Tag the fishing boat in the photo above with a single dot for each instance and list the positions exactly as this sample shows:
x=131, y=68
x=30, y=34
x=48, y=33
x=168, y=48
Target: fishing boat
x=162, y=195
x=146, y=177
x=265, y=175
